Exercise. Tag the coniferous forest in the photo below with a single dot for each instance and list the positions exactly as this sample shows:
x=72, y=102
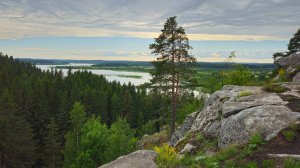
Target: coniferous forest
x=81, y=119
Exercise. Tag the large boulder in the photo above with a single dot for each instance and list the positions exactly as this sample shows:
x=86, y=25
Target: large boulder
x=296, y=78
x=234, y=113
x=291, y=60
x=138, y=159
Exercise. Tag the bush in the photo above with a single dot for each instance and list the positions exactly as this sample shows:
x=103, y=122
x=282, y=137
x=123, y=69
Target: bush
x=166, y=156
x=289, y=135
x=291, y=163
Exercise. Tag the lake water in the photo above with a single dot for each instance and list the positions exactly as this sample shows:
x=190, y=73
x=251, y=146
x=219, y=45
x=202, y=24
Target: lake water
x=110, y=75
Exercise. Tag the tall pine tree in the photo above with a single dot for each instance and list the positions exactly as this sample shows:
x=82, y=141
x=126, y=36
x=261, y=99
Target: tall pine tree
x=173, y=66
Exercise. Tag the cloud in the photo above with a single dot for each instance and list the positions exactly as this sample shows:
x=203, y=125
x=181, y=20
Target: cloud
x=203, y=19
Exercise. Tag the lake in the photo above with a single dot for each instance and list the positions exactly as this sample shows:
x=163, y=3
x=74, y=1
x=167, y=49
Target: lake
x=110, y=75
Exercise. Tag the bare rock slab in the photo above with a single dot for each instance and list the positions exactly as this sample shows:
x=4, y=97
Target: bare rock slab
x=137, y=159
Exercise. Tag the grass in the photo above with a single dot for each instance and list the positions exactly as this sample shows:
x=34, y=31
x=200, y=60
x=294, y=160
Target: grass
x=291, y=163
x=289, y=135
x=268, y=163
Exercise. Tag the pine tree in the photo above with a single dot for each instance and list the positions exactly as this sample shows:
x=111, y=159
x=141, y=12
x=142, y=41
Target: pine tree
x=294, y=44
x=173, y=66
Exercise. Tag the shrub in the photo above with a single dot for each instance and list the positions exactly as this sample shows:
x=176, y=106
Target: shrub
x=166, y=156
x=268, y=164
x=291, y=163
x=289, y=135
x=244, y=93
x=274, y=88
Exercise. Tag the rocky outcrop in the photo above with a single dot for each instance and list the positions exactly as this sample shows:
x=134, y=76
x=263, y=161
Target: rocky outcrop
x=181, y=131
x=291, y=64
x=234, y=113
x=291, y=60
x=138, y=159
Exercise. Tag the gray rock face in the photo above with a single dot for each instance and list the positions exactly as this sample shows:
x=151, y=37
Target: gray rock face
x=268, y=120
x=296, y=78
x=232, y=116
x=188, y=148
x=138, y=159
x=183, y=129
x=292, y=60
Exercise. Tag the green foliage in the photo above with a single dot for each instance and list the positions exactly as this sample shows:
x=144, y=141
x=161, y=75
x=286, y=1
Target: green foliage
x=251, y=165
x=17, y=146
x=291, y=163
x=294, y=44
x=166, y=156
x=121, y=139
x=268, y=163
x=186, y=109
x=37, y=96
x=73, y=137
x=94, y=145
x=240, y=75
x=289, y=135
x=228, y=152
x=277, y=88
x=53, y=146
x=254, y=142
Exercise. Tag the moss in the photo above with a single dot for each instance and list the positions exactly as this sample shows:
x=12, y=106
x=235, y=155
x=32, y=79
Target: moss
x=277, y=88
x=244, y=93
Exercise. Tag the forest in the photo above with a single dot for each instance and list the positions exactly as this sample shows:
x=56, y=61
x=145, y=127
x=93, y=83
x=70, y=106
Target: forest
x=48, y=120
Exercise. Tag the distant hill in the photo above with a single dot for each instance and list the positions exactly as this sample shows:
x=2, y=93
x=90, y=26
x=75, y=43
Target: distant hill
x=206, y=65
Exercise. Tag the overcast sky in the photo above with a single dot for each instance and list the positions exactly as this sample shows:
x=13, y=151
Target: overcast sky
x=123, y=29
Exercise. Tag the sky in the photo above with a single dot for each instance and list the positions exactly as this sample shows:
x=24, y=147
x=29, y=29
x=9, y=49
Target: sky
x=123, y=29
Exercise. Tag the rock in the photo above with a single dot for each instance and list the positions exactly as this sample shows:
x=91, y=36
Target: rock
x=188, y=148
x=296, y=78
x=291, y=71
x=138, y=159
x=232, y=118
x=180, y=132
x=149, y=141
x=291, y=60
x=267, y=120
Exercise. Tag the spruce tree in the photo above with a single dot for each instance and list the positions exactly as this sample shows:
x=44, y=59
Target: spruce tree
x=53, y=146
x=17, y=147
